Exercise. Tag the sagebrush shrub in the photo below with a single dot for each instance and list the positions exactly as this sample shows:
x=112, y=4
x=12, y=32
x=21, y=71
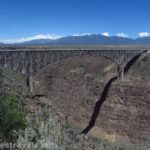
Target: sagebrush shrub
x=11, y=115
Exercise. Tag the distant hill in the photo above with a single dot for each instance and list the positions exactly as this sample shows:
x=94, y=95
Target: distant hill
x=83, y=40
x=94, y=39
x=2, y=44
x=144, y=40
x=90, y=40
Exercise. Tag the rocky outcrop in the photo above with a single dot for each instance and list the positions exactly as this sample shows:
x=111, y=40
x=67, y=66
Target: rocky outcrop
x=75, y=85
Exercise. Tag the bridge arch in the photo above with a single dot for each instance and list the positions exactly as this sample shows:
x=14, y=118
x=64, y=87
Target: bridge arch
x=29, y=62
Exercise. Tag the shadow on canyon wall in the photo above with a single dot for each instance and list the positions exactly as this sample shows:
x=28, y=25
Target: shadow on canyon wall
x=103, y=97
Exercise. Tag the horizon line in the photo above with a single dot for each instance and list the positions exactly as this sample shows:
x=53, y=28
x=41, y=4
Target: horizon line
x=55, y=37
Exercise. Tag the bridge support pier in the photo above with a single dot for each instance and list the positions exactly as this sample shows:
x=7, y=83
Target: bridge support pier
x=29, y=83
x=31, y=88
x=29, y=73
x=120, y=73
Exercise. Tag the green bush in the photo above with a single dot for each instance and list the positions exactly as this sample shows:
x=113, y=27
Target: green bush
x=11, y=116
x=145, y=59
x=121, y=148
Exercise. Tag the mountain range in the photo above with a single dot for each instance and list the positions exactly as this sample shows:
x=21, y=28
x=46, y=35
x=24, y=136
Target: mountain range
x=2, y=44
x=93, y=39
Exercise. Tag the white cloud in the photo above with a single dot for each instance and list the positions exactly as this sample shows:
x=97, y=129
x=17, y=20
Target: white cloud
x=36, y=37
x=122, y=35
x=83, y=34
x=86, y=34
x=143, y=34
x=105, y=34
x=76, y=34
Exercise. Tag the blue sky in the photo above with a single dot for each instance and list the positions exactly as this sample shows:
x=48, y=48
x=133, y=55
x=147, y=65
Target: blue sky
x=27, y=19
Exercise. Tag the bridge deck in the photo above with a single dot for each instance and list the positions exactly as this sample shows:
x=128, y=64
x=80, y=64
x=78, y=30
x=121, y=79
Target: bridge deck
x=73, y=47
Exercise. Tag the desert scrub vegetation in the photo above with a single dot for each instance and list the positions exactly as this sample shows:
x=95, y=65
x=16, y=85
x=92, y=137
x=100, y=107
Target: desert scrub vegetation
x=107, y=145
x=145, y=58
x=12, y=118
x=48, y=130
x=42, y=129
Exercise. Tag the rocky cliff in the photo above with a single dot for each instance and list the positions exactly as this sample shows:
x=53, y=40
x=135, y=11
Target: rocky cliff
x=75, y=87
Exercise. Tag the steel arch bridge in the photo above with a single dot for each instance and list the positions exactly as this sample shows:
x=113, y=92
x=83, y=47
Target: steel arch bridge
x=29, y=60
